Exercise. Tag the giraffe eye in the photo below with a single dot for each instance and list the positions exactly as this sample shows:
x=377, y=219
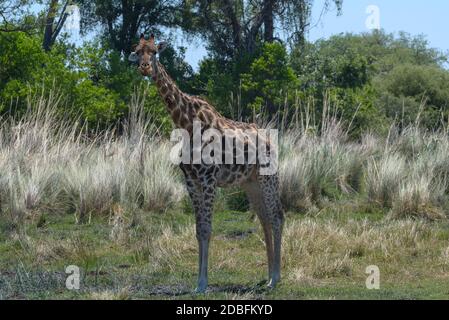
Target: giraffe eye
x=133, y=57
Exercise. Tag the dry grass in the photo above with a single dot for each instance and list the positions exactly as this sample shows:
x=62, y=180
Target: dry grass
x=50, y=165
x=160, y=258
x=405, y=174
x=326, y=249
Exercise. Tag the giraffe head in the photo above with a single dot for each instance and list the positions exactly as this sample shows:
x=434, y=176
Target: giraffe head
x=144, y=54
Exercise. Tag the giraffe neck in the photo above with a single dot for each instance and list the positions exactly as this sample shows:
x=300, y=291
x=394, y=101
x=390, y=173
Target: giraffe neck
x=176, y=101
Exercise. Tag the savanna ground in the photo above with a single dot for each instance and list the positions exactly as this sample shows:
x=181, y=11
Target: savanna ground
x=324, y=258
x=114, y=206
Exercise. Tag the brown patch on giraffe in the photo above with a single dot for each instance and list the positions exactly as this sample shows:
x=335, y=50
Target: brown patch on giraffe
x=163, y=89
x=191, y=112
x=169, y=100
x=184, y=99
x=189, y=127
x=221, y=123
x=205, y=117
x=184, y=122
x=196, y=104
x=177, y=98
x=176, y=115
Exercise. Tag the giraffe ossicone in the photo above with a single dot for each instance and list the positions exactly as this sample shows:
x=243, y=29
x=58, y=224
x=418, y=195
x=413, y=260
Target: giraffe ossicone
x=204, y=177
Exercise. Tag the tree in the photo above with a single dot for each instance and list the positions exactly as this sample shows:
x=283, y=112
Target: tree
x=122, y=20
x=233, y=28
x=411, y=90
x=26, y=69
x=294, y=16
x=235, y=33
x=15, y=16
x=375, y=78
x=270, y=79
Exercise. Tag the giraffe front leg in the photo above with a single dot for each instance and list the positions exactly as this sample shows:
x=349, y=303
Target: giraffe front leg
x=203, y=236
x=196, y=196
x=203, y=233
x=277, y=226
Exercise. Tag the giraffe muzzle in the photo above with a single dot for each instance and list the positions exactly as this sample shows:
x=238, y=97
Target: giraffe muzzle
x=145, y=69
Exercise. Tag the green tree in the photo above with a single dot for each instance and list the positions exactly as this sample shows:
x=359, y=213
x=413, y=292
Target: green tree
x=270, y=79
x=414, y=92
x=56, y=16
x=15, y=15
x=234, y=28
x=26, y=68
x=380, y=76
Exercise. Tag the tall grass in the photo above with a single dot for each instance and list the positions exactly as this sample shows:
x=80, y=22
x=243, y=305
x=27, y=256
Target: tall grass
x=49, y=164
x=404, y=173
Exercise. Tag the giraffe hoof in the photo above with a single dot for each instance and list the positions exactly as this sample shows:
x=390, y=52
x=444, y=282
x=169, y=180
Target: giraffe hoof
x=199, y=290
x=272, y=283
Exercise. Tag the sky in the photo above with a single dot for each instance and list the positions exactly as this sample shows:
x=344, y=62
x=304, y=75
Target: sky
x=413, y=16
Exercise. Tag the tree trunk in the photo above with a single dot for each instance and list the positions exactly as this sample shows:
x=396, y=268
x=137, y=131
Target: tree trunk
x=268, y=20
x=51, y=30
x=49, y=23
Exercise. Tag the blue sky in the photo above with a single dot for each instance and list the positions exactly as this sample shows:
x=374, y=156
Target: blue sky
x=412, y=16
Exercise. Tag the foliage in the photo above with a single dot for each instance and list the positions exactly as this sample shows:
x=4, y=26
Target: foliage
x=96, y=83
x=122, y=21
x=233, y=29
x=424, y=88
x=25, y=67
x=270, y=78
x=370, y=80
x=381, y=76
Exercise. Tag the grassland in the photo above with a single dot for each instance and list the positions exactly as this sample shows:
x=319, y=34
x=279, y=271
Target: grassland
x=116, y=207
x=324, y=257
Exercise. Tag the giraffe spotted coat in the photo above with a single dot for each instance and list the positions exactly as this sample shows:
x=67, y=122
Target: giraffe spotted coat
x=203, y=179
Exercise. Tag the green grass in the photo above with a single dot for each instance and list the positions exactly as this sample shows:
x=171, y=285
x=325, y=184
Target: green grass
x=325, y=257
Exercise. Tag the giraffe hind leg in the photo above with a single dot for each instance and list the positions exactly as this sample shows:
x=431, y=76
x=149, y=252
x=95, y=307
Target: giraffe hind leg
x=269, y=186
x=254, y=194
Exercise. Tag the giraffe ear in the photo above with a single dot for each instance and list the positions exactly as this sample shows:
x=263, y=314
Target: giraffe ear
x=151, y=39
x=142, y=39
x=161, y=46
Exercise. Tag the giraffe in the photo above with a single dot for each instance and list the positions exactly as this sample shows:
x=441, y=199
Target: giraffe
x=203, y=179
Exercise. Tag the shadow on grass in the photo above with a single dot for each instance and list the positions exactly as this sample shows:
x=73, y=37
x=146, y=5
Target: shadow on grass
x=181, y=290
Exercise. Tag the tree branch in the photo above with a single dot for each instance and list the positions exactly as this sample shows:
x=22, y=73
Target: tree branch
x=60, y=24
